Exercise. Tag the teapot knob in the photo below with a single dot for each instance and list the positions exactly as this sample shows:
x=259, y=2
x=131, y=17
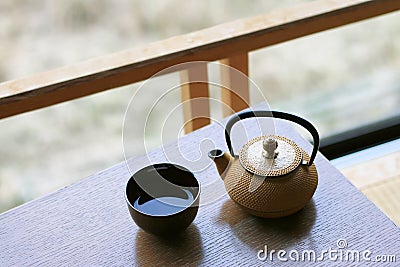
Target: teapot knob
x=269, y=147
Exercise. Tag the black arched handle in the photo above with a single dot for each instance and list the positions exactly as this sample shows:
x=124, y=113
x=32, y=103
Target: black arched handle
x=273, y=114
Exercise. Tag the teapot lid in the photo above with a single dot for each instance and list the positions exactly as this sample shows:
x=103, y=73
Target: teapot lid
x=270, y=155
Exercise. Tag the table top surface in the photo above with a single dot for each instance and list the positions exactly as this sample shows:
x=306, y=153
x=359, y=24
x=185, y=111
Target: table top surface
x=88, y=223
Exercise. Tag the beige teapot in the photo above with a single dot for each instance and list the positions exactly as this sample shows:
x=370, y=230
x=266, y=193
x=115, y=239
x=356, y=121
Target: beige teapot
x=271, y=176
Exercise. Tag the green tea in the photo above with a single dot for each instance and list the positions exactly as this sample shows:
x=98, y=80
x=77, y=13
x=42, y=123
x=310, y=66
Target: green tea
x=166, y=205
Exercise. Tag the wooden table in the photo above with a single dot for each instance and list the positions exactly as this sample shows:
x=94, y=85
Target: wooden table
x=88, y=224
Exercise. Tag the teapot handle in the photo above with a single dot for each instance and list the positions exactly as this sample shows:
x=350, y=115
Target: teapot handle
x=275, y=114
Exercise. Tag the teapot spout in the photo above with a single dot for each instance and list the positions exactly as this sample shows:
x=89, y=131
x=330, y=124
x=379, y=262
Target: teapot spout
x=221, y=160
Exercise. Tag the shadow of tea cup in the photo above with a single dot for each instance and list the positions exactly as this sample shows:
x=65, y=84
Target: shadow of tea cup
x=163, y=199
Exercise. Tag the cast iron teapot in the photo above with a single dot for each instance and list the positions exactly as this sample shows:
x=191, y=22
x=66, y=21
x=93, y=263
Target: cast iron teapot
x=272, y=176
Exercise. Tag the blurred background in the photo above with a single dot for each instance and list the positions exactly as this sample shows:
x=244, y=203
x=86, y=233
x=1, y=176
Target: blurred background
x=338, y=79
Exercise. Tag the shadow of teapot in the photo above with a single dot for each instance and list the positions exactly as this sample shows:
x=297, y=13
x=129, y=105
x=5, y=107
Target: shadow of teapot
x=278, y=233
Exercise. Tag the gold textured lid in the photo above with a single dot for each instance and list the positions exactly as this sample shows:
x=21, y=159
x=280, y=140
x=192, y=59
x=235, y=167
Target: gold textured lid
x=270, y=155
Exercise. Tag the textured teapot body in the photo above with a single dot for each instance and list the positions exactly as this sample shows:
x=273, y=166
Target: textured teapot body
x=271, y=176
x=270, y=197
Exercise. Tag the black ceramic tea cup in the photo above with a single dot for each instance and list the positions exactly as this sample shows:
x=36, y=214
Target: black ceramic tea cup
x=163, y=198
